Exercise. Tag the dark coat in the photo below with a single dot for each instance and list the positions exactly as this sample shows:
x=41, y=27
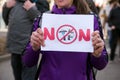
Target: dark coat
x=20, y=23
x=114, y=18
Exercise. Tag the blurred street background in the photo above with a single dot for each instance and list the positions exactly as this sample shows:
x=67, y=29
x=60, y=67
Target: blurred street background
x=111, y=72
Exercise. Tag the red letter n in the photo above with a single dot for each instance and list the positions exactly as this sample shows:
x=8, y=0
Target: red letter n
x=51, y=35
x=82, y=35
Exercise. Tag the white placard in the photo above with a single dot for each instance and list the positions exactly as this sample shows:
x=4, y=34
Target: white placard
x=67, y=32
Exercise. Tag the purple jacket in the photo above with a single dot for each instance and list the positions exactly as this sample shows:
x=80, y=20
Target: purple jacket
x=65, y=65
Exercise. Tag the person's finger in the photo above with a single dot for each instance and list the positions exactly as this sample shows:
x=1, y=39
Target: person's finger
x=36, y=36
x=39, y=30
x=98, y=51
x=39, y=36
x=98, y=45
x=95, y=32
x=42, y=40
x=98, y=40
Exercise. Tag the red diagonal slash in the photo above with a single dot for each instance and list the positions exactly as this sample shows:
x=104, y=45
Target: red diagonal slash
x=67, y=34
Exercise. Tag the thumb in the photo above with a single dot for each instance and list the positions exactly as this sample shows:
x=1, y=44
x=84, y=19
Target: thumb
x=27, y=1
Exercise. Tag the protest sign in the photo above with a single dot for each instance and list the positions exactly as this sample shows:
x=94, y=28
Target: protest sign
x=67, y=32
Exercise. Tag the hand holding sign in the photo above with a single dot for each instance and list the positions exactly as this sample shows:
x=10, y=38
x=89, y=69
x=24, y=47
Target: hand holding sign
x=37, y=39
x=98, y=44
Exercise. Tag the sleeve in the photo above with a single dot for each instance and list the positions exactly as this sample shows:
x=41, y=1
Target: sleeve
x=30, y=57
x=5, y=13
x=100, y=62
x=39, y=8
x=110, y=18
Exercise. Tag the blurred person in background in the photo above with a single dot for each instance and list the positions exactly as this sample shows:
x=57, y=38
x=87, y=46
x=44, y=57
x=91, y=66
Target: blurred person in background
x=19, y=16
x=114, y=23
x=104, y=13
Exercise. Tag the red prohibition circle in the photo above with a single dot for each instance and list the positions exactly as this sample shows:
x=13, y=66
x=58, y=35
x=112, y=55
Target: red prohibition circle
x=73, y=29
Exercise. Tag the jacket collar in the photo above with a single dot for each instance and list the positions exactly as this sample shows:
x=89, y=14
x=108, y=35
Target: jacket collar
x=70, y=10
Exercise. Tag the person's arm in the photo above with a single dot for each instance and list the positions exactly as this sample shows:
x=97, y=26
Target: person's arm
x=6, y=9
x=110, y=18
x=111, y=21
x=101, y=61
x=5, y=13
x=35, y=9
x=30, y=58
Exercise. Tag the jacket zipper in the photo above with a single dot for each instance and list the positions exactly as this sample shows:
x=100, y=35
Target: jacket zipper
x=64, y=12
